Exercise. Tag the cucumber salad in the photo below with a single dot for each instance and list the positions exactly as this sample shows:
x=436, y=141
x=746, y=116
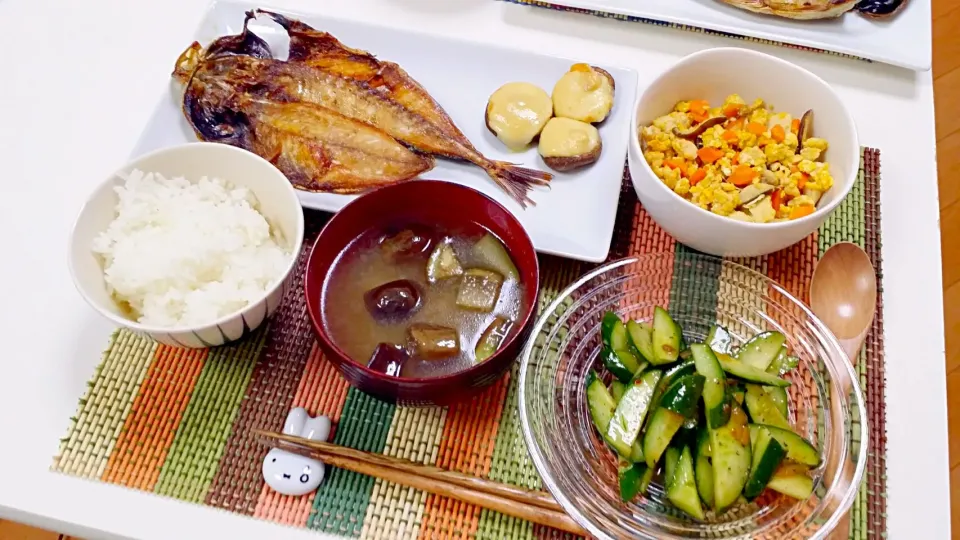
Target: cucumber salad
x=714, y=421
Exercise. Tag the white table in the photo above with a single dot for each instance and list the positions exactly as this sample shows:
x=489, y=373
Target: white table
x=79, y=80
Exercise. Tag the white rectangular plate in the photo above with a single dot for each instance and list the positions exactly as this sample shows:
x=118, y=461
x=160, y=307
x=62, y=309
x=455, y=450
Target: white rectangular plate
x=903, y=40
x=574, y=218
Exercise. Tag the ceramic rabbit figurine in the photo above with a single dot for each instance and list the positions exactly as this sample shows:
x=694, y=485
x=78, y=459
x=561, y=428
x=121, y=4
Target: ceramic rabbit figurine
x=292, y=474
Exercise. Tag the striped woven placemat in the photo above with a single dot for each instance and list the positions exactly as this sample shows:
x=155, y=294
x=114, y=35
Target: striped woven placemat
x=630, y=18
x=178, y=422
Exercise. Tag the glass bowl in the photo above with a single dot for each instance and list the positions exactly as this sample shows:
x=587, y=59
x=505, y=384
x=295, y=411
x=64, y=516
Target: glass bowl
x=698, y=291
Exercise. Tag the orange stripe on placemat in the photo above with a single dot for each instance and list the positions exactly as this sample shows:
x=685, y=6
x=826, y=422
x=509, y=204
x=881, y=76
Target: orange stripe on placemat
x=469, y=436
x=322, y=390
x=647, y=237
x=793, y=267
x=152, y=423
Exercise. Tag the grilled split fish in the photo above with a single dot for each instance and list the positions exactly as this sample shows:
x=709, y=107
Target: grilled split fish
x=387, y=98
x=317, y=148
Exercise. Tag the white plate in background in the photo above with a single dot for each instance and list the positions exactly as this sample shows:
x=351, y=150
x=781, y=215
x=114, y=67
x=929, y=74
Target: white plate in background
x=902, y=40
x=574, y=218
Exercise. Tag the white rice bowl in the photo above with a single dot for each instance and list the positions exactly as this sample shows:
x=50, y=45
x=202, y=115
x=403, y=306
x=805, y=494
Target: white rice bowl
x=180, y=253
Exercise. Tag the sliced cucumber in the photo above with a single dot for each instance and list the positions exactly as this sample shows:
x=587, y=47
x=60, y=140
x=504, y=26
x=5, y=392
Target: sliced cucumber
x=641, y=337
x=646, y=479
x=622, y=364
x=616, y=390
x=767, y=455
x=666, y=337
x=661, y=428
x=683, y=395
x=670, y=460
x=714, y=387
x=631, y=477
x=783, y=364
x=636, y=451
x=671, y=375
x=762, y=408
x=683, y=490
x=761, y=350
x=632, y=411
x=719, y=339
x=780, y=399
x=749, y=373
x=600, y=403
x=798, y=486
x=730, y=449
x=613, y=332
x=796, y=447
x=703, y=468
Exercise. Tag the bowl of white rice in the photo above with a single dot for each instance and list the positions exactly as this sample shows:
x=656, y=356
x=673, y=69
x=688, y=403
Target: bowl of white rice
x=192, y=245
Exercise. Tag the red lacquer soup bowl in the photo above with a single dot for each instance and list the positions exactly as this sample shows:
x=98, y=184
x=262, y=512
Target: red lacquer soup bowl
x=447, y=206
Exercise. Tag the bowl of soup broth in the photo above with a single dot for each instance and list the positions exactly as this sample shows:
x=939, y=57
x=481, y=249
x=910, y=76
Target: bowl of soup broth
x=422, y=293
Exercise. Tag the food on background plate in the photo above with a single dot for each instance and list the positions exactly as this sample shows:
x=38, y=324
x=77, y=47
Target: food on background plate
x=304, y=114
x=880, y=9
x=567, y=144
x=429, y=312
x=820, y=9
x=712, y=420
x=516, y=113
x=179, y=253
x=741, y=161
x=797, y=9
x=584, y=93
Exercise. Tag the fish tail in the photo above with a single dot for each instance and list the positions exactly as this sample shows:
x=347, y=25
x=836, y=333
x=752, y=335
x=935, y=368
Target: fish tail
x=517, y=181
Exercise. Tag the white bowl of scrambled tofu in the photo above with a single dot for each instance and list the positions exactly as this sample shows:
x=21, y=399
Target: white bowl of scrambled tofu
x=739, y=153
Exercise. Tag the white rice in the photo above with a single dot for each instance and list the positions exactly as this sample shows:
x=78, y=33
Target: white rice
x=186, y=254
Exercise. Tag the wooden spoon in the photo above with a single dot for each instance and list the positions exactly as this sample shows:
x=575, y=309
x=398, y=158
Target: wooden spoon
x=843, y=294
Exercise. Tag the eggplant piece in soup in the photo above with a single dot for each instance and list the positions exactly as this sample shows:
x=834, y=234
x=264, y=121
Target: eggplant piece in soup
x=391, y=300
x=388, y=358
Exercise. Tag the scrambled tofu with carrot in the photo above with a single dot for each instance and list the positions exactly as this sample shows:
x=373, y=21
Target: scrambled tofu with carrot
x=738, y=160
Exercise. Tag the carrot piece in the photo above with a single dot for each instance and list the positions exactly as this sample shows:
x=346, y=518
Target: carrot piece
x=795, y=125
x=756, y=128
x=776, y=199
x=699, y=107
x=777, y=133
x=709, y=155
x=697, y=118
x=731, y=110
x=802, y=210
x=730, y=136
x=735, y=160
x=802, y=183
x=674, y=163
x=794, y=168
x=742, y=176
x=697, y=176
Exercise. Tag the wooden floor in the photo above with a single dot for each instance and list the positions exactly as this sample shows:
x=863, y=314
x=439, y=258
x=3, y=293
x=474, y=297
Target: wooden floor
x=946, y=72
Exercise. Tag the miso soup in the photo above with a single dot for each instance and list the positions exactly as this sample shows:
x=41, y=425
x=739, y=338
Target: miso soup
x=422, y=301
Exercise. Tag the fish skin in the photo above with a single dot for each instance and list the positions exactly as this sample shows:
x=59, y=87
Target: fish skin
x=317, y=148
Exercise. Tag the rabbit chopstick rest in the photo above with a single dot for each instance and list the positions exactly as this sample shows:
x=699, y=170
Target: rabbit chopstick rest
x=292, y=474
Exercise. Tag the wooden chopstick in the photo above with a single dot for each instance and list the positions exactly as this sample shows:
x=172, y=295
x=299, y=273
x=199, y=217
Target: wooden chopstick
x=536, y=506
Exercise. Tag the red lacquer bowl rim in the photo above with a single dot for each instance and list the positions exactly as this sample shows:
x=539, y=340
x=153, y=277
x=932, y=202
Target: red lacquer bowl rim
x=314, y=306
